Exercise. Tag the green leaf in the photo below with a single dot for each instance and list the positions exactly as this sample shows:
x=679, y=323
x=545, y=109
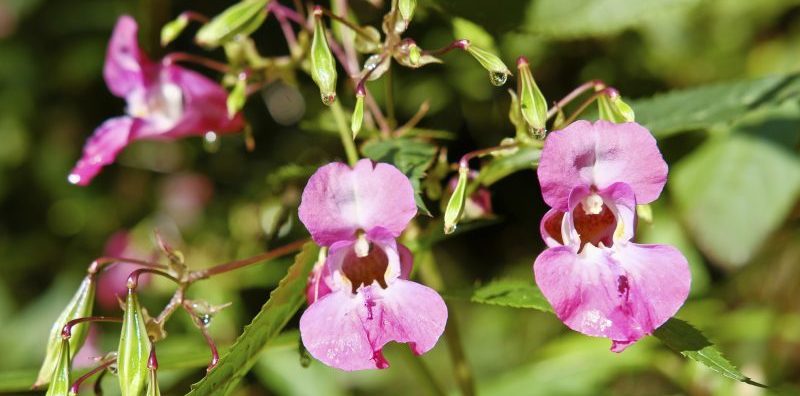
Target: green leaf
x=526, y=157
x=466, y=29
x=574, y=19
x=79, y=306
x=412, y=157
x=134, y=349
x=703, y=107
x=735, y=190
x=241, y=18
x=512, y=293
x=691, y=343
x=283, y=303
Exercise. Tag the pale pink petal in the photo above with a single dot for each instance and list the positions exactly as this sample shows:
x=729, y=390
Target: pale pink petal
x=622, y=293
x=348, y=331
x=101, y=149
x=317, y=286
x=339, y=200
x=124, y=70
x=600, y=154
x=406, y=261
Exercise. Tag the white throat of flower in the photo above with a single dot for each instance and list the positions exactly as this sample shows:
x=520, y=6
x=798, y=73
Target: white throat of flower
x=592, y=204
x=361, y=246
x=162, y=105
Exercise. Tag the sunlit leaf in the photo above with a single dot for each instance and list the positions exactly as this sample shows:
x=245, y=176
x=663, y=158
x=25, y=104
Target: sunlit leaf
x=283, y=303
x=513, y=293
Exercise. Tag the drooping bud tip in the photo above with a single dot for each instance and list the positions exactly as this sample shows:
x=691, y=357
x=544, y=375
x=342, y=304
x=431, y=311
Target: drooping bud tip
x=522, y=61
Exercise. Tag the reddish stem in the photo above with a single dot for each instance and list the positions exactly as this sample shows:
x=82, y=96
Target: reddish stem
x=98, y=264
x=585, y=104
x=596, y=84
x=234, y=265
x=458, y=44
x=133, y=278
x=210, y=341
x=66, y=331
x=75, y=387
x=176, y=57
x=194, y=16
x=464, y=162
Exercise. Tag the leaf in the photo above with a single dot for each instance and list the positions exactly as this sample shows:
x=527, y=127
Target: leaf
x=412, y=157
x=560, y=19
x=691, y=343
x=703, y=107
x=466, y=29
x=512, y=293
x=734, y=191
x=526, y=157
x=283, y=303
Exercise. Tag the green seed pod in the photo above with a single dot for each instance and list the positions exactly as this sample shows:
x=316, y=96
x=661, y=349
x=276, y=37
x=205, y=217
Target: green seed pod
x=323, y=65
x=498, y=72
x=79, y=306
x=152, y=384
x=134, y=349
x=358, y=114
x=60, y=375
x=455, y=206
x=406, y=8
x=237, y=97
x=173, y=29
x=241, y=18
x=515, y=115
x=532, y=102
x=612, y=108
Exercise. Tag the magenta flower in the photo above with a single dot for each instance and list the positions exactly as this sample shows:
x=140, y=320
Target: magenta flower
x=164, y=101
x=598, y=281
x=361, y=298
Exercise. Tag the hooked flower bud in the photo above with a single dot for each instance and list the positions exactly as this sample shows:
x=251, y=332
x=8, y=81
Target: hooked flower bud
x=173, y=29
x=533, y=105
x=613, y=109
x=241, y=18
x=79, y=306
x=498, y=72
x=323, y=65
x=358, y=113
x=237, y=97
x=455, y=206
x=134, y=349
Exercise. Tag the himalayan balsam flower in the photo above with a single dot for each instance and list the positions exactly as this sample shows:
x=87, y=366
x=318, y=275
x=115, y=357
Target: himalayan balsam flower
x=164, y=101
x=598, y=281
x=361, y=298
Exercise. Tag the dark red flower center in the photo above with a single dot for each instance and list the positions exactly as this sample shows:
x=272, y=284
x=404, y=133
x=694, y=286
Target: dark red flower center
x=367, y=269
x=595, y=228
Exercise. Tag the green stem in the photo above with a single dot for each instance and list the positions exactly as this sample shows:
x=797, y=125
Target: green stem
x=462, y=370
x=422, y=371
x=344, y=133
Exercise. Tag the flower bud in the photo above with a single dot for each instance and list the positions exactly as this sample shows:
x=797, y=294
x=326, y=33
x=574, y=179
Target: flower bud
x=406, y=8
x=173, y=29
x=237, y=97
x=60, y=384
x=152, y=377
x=515, y=115
x=414, y=54
x=323, y=66
x=612, y=108
x=532, y=102
x=241, y=18
x=358, y=114
x=498, y=72
x=455, y=206
x=134, y=349
x=79, y=306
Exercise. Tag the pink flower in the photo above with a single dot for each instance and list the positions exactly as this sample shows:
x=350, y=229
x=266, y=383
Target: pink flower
x=598, y=281
x=164, y=101
x=361, y=298
x=112, y=284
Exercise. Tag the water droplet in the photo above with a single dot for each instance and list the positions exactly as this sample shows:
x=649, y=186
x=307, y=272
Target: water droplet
x=211, y=141
x=74, y=178
x=376, y=65
x=204, y=319
x=498, y=79
x=113, y=368
x=328, y=98
x=372, y=62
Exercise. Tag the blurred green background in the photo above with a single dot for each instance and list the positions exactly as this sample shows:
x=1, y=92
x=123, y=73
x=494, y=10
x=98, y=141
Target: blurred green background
x=730, y=204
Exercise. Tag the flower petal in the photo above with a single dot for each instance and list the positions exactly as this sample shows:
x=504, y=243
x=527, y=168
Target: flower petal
x=348, y=331
x=550, y=228
x=101, y=149
x=622, y=294
x=125, y=65
x=600, y=154
x=339, y=200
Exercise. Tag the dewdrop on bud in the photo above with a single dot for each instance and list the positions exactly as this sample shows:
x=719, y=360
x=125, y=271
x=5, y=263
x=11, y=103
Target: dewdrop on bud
x=533, y=105
x=133, y=353
x=358, y=113
x=498, y=72
x=455, y=206
x=612, y=108
x=79, y=306
x=323, y=65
